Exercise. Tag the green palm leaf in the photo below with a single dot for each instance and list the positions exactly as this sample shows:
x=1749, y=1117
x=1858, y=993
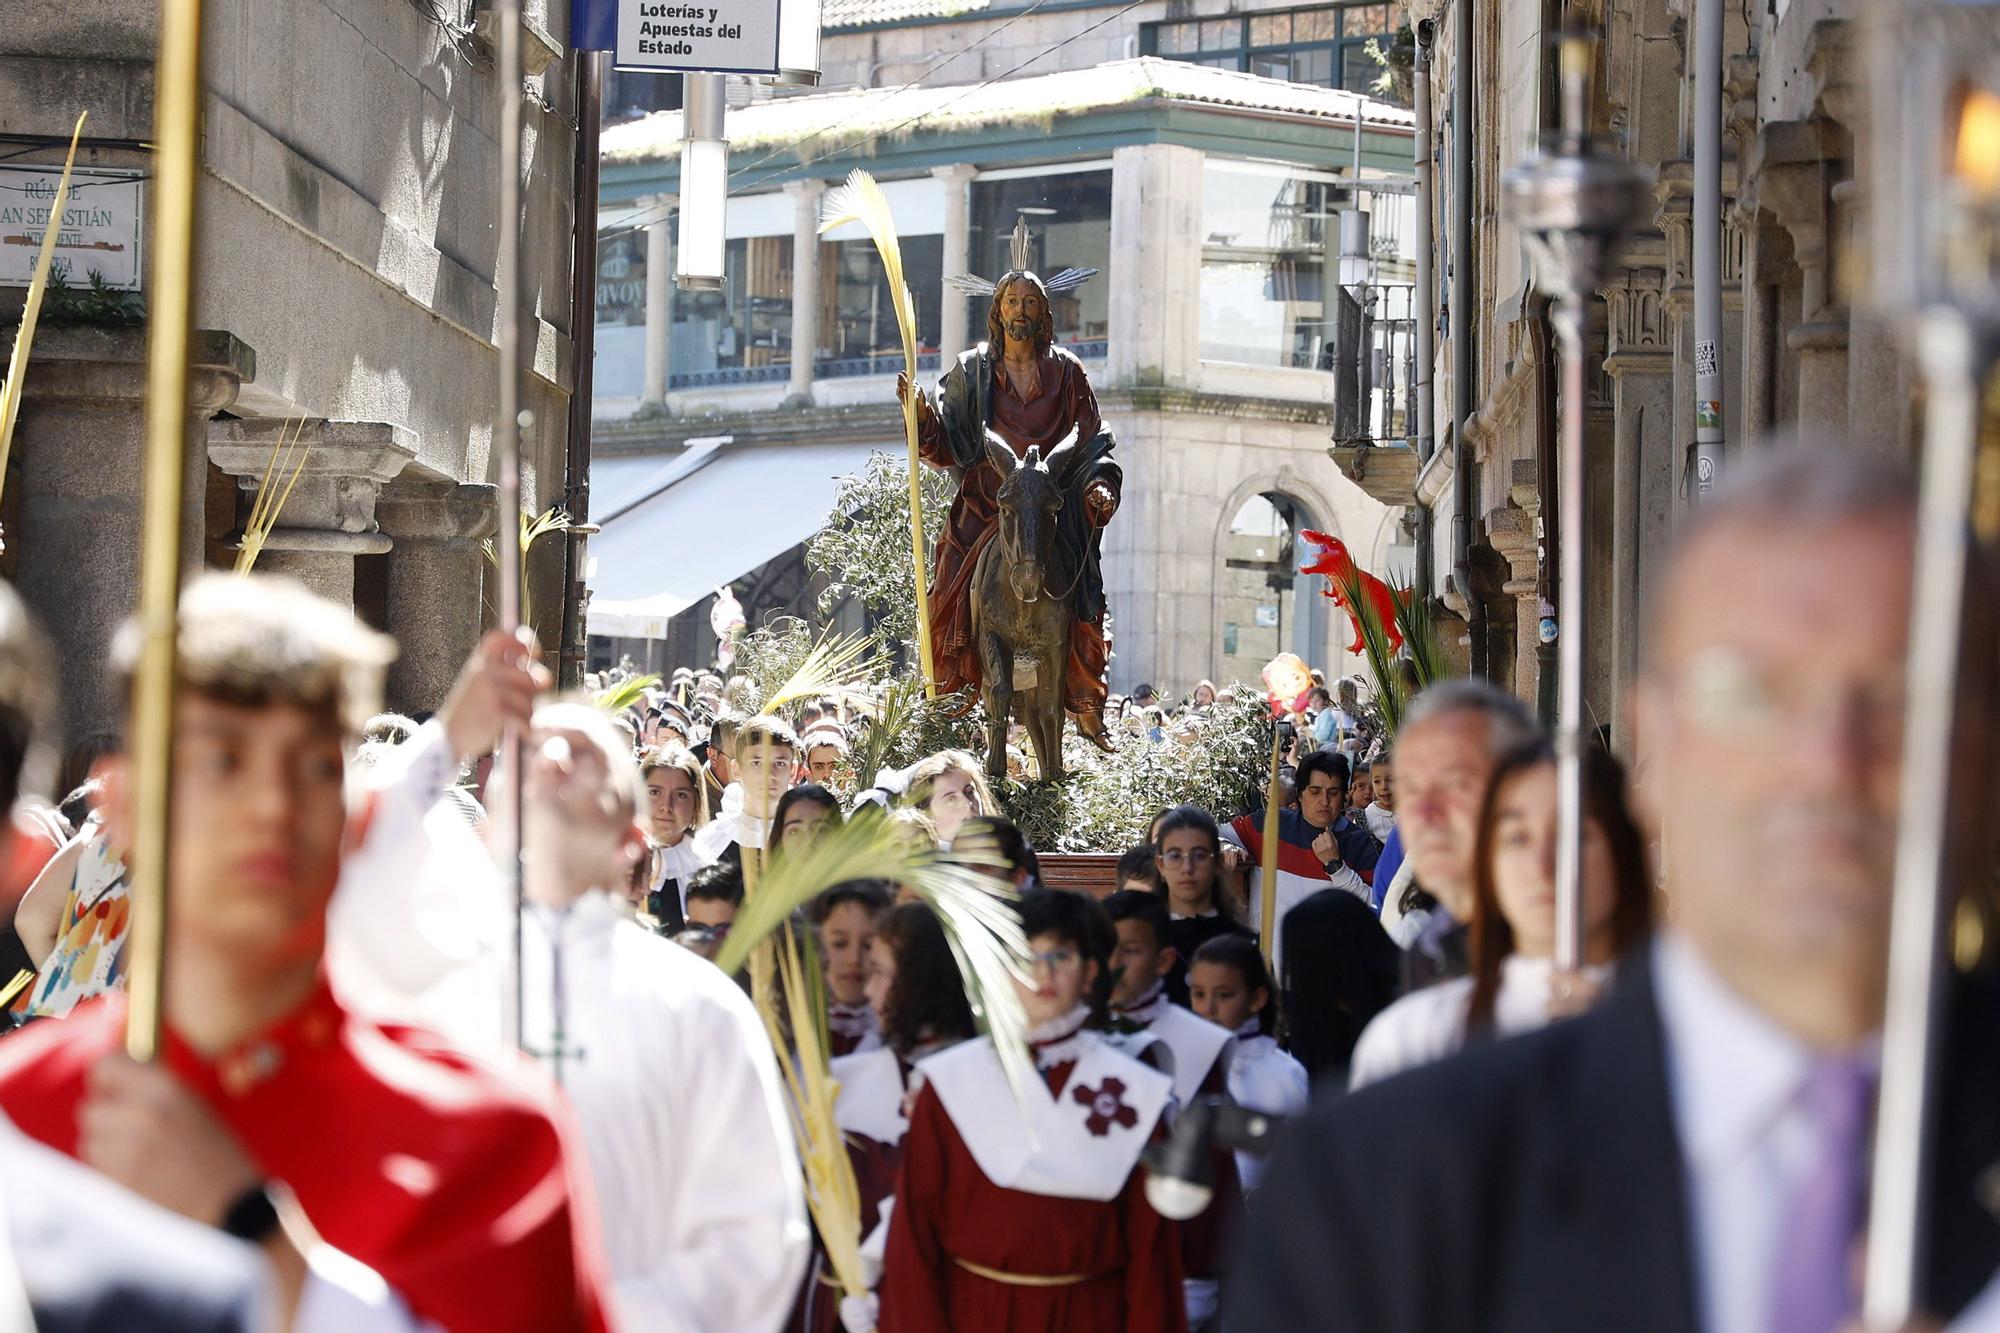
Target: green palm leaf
x=975, y=909
x=626, y=694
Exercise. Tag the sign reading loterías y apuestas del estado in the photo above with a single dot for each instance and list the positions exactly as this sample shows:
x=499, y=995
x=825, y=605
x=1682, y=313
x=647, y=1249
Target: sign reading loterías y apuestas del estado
x=718, y=36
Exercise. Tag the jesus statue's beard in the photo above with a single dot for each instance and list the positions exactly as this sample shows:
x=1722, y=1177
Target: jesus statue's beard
x=1020, y=329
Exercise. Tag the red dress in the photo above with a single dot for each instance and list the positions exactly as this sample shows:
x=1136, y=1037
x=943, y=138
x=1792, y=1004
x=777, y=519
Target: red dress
x=946, y=1209
x=458, y=1183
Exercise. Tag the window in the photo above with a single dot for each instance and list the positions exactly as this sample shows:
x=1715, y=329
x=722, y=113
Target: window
x=748, y=322
x=1069, y=226
x=621, y=276
x=1265, y=253
x=857, y=313
x=1326, y=46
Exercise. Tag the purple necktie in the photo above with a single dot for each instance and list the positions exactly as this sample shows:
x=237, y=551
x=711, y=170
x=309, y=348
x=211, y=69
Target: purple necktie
x=1812, y=1288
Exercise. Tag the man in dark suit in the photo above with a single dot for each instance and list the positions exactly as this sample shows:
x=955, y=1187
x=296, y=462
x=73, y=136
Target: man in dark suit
x=1692, y=1155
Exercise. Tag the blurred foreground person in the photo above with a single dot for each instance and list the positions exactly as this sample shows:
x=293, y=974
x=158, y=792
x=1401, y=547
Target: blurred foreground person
x=457, y=1182
x=1691, y=1154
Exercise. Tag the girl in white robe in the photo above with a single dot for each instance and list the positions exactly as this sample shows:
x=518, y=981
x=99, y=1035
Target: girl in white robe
x=1230, y=986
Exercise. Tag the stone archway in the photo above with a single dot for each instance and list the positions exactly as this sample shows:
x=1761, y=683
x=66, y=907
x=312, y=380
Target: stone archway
x=1261, y=605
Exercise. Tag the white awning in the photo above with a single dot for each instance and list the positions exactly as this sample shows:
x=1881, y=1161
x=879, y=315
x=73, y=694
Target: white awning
x=697, y=520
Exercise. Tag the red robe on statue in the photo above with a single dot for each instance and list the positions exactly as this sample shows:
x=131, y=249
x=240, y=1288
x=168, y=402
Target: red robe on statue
x=1064, y=401
x=947, y=1210
x=457, y=1183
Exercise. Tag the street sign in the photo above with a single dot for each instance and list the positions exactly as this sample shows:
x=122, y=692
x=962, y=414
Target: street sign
x=714, y=36
x=101, y=226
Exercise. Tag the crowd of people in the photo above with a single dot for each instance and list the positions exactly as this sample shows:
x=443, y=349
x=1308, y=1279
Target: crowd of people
x=338, y=1133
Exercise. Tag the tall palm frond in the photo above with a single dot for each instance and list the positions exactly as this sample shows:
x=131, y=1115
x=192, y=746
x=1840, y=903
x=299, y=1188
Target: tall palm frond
x=1390, y=692
x=1417, y=620
x=12, y=388
x=896, y=711
x=534, y=527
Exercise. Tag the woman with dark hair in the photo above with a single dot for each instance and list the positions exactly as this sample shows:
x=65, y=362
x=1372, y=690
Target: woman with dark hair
x=1231, y=987
x=802, y=813
x=1008, y=1219
x=1513, y=986
x=1339, y=969
x=1201, y=903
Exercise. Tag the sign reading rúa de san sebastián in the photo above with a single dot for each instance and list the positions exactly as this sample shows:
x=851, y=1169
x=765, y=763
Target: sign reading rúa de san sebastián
x=102, y=229
x=713, y=36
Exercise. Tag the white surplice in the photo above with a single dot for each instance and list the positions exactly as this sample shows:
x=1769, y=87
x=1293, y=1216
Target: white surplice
x=663, y=1057
x=673, y=1078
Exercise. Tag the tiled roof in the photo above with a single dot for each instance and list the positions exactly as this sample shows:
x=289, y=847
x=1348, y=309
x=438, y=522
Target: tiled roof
x=822, y=123
x=857, y=13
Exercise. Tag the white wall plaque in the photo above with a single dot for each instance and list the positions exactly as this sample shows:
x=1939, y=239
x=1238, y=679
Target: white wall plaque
x=714, y=37
x=103, y=225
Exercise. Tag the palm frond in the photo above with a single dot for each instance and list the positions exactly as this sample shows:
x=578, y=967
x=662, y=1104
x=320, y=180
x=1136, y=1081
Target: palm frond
x=975, y=910
x=896, y=711
x=831, y=664
x=625, y=694
x=269, y=502
x=534, y=527
x=861, y=200
x=31, y=312
x=1417, y=620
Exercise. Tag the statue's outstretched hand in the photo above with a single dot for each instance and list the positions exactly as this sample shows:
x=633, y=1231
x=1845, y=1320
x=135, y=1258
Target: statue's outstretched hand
x=1101, y=502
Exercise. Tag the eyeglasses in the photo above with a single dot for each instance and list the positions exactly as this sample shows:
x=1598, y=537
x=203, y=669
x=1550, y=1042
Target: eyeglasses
x=1198, y=857
x=1056, y=960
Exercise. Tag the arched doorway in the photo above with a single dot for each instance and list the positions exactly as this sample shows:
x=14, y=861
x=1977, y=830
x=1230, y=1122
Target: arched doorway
x=1268, y=607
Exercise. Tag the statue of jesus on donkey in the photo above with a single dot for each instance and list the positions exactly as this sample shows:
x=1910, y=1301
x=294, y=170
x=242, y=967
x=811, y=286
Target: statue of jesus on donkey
x=1017, y=599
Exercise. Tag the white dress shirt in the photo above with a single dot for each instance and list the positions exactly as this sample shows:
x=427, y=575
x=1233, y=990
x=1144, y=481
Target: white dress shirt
x=1745, y=1142
x=1429, y=1024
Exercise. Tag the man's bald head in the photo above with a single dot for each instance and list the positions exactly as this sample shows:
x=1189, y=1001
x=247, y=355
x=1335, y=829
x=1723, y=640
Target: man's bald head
x=1769, y=722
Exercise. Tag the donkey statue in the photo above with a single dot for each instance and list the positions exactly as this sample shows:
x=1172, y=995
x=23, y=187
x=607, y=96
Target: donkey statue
x=1020, y=614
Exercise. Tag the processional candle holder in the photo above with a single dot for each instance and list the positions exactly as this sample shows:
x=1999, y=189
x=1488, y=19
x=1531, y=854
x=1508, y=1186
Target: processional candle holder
x=1935, y=265
x=1573, y=206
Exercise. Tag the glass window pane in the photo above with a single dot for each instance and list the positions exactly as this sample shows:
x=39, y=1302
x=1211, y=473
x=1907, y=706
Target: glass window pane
x=1313, y=25
x=1221, y=34
x=1365, y=20
x=1176, y=38
x=1314, y=67
x=1358, y=69
x=1271, y=67
x=1270, y=29
x=1262, y=257
x=621, y=276
x=1222, y=62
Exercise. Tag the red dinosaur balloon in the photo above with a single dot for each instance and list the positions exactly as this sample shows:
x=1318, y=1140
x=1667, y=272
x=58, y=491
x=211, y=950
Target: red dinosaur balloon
x=1339, y=568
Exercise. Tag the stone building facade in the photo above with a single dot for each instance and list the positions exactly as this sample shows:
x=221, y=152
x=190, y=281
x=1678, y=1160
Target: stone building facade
x=346, y=246
x=1798, y=353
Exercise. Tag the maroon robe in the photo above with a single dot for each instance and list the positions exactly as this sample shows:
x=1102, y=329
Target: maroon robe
x=946, y=1209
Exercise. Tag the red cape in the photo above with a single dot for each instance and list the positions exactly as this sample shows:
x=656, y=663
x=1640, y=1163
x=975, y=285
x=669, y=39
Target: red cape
x=456, y=1181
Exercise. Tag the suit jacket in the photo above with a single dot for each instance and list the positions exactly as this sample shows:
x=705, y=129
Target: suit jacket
x=1537, y=1184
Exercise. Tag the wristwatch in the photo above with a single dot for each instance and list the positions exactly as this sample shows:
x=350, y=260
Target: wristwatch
x=253, y=1216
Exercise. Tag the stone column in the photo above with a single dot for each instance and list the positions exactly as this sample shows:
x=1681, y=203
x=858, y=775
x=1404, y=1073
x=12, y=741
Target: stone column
x=329, y=512
x=77, y=475
x=1644, y=457
x=806, y=196
x=1797, y=165
x=1155, y=292
x=1510, y=530
x=437, y=574
x=659, y=301
x=957, y=182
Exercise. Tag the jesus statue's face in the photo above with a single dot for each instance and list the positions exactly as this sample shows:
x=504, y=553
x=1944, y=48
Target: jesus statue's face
x=1021, y=311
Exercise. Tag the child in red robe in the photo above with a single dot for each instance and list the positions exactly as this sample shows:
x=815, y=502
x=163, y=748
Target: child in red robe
x=1013, y=1221
x=457, y=1182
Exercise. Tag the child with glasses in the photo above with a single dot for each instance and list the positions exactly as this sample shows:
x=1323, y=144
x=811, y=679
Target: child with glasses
x=1009, y=1220
x=1201, y=901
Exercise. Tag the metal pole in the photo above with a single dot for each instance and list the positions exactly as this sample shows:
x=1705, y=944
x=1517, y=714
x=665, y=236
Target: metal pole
x=1708, y=439
x=507, y=465
x=177, y=140
x=1572, y=207
x=1424, y=312
x=1956, y=360
x=1464, y=288
x=583, y=336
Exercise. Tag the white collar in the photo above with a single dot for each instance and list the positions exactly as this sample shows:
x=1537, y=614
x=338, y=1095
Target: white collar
x=1060, y=1039
x=1147, y=1007
x=1734, y=1070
